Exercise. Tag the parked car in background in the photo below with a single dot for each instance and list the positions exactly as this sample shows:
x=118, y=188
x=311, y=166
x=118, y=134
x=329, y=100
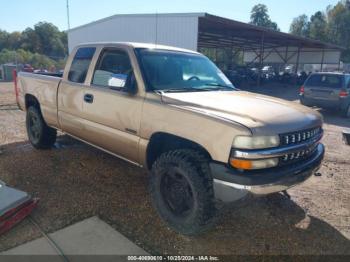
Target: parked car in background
x=289, y=69
x=28, y=68
x=39, y=71
x=238, y=75
x=234, y=76
x=268, y=73
x=327, y=90
x=302, y=76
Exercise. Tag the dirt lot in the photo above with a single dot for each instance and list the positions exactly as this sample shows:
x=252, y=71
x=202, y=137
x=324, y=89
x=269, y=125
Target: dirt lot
x=76, y=181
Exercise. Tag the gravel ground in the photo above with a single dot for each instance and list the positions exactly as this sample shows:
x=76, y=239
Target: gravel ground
x=75, y=181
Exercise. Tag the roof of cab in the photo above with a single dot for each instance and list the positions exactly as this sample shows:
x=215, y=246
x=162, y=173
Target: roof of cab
x=139, y=45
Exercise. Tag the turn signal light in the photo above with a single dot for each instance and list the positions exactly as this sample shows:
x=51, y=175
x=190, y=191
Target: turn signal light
x=245, y=164
x=241, y=164
x=343, y=93
x=302, y=90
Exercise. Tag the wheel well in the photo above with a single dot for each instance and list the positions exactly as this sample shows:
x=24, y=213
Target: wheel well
x=31, y=100
x=163, y=142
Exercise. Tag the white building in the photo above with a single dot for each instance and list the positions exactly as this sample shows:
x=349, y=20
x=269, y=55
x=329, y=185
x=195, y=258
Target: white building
x=179, y=30
x=197, y=30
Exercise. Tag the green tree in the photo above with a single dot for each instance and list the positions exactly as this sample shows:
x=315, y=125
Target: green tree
x=300, y=26
x=260, y=17
x=25, y=57
x=339, y=26
x=7, y=56
x=318, y=26
x=44, y=39
x=42, y=62
x=332, y=26
x=31, y=41
x=3, y=39
x=14, y=40
x=51, y=40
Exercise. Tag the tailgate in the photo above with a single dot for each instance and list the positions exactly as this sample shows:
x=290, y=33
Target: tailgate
x=324, y=87
x=42, y=88
x=324, y=93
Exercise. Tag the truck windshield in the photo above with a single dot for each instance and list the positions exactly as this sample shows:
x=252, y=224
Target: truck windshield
x=180, y=72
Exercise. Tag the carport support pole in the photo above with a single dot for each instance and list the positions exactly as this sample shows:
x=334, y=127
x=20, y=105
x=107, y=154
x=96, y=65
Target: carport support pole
x=286, y=58
x=261, y=57
x=297, y=65
x=297, y=62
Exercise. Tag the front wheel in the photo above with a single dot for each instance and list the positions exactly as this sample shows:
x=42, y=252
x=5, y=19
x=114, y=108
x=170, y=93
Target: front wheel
x=40, y=135
x=182, y=191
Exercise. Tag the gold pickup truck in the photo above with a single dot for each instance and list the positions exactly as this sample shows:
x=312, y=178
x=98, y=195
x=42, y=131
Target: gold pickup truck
x=173, y=112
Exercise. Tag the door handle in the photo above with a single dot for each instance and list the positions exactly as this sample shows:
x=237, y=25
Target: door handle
x=88, y=98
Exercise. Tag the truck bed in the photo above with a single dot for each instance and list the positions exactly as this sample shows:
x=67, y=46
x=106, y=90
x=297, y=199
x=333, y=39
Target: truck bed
x=44, y=88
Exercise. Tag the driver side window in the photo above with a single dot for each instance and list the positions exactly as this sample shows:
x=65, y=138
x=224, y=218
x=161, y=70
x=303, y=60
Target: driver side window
x=113, y=70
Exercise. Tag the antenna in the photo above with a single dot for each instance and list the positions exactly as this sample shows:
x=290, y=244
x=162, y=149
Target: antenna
x=156, y=40
x=68, y=19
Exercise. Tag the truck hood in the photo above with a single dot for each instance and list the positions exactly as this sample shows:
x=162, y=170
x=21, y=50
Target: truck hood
x=263, y=115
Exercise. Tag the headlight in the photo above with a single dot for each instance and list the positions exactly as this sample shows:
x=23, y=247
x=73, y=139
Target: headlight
x=253, y=164
x=257, y=142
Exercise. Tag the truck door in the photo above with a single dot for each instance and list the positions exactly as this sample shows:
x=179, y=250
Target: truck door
x=71, y=91
x=112, y=116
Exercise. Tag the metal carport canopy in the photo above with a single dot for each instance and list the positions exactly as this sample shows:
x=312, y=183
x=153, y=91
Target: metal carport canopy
x=262, y=45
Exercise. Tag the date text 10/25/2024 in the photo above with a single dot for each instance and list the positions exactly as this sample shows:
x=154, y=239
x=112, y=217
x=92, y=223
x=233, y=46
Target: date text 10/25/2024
x=173, y=258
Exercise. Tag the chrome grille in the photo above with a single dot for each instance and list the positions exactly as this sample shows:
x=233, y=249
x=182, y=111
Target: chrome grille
x=299, y=136
x=298, y=156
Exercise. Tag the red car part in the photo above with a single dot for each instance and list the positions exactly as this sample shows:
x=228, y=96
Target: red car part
x=16, y=215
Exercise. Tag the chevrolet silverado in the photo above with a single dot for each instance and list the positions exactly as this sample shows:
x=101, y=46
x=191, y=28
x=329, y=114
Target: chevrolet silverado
x=173, y=112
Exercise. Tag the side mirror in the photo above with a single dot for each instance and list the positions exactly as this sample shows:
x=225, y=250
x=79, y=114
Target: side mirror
x=131, y=84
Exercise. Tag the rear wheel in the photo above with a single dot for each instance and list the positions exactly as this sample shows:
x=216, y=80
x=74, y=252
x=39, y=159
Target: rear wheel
x=302, y=101
x=40, y=135
x=182, y=191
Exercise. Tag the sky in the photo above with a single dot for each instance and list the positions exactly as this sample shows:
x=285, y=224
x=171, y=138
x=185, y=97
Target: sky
x=16, y=15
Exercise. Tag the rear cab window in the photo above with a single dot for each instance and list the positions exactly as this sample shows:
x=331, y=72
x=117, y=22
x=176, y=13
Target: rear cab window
x=80, y=64
x=325, y=80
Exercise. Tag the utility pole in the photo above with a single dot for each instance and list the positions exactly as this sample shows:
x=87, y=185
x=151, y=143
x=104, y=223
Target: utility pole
x=68, y=19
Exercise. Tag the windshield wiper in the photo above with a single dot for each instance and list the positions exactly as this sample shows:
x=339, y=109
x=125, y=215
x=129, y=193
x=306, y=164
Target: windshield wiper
x=220, y=87
x=209, y=87
x=179, y=90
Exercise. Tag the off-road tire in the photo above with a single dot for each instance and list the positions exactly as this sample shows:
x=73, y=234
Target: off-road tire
x=194, y=167
x=40, y=135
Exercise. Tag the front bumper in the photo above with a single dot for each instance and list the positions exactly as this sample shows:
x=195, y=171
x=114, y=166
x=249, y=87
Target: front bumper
x=231, y=185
